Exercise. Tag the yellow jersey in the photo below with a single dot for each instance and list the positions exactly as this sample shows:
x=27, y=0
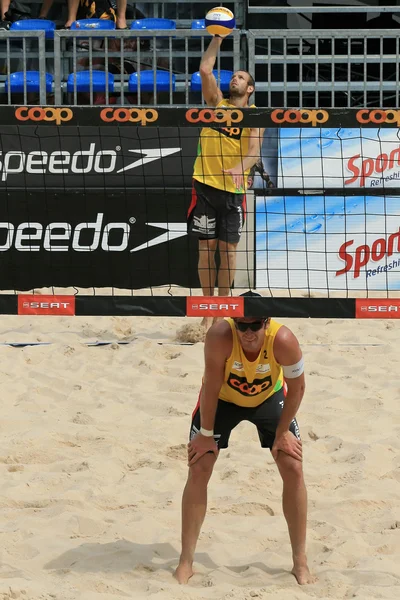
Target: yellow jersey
x=221, y=148
x=251, y=383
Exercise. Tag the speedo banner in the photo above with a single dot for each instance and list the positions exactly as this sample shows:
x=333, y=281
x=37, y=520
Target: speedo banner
x=95, y=238
x=328, y=243
x=321, y=158
x=106, y=157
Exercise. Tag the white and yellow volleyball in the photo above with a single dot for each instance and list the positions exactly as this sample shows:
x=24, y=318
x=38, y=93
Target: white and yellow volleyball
x=220, y=21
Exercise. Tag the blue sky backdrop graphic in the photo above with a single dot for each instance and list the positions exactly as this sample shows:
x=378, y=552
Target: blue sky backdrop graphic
x=323, y=157
x=298, y=239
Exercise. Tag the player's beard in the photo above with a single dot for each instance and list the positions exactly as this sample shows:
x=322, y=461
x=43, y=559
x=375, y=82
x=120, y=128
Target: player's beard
x=236, y=93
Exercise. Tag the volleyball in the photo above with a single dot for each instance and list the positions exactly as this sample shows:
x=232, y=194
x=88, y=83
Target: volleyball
x=220, y=21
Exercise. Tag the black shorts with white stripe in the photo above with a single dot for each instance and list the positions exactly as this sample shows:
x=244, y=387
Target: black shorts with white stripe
x=216, y=214
x=265, y=417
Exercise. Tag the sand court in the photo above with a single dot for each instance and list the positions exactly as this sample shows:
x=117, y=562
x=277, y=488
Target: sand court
x=93, y=462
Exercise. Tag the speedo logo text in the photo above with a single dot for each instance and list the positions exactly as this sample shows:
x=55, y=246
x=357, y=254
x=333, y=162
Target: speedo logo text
x=82, y=162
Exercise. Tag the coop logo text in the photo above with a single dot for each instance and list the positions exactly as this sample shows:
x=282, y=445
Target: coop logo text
x=216, y=117
x=82, y=162
x=50, y=114
x=378, y=117
x=357, y=258
x=140, y=116
x=304, y=116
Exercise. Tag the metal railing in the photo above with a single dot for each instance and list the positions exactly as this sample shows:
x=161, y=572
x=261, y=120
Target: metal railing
x=176, y=52
x=321, y=68
x=331, y=8
x=307, y=68
x=19, y=52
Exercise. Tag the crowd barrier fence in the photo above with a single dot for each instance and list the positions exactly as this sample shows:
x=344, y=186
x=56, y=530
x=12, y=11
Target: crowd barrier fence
x=307, y=68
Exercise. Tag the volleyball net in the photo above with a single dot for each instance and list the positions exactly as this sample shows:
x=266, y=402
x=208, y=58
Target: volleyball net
x=95, y=199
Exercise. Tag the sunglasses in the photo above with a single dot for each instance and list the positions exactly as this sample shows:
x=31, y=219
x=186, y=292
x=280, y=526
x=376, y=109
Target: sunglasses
x=255, y=326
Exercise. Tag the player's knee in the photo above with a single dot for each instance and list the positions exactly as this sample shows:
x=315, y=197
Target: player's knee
x=208, y=245
x=206, y=259
x=201, y=471
x=227, y=247
x=227, y=257
x=207, y=249
x=291, y=470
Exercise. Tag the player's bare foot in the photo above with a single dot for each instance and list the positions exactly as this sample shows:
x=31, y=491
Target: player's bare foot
x=183, y=573
x=302, y=574
x=206, y=322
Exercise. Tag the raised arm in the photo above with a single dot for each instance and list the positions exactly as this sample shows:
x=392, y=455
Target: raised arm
x=211, y=92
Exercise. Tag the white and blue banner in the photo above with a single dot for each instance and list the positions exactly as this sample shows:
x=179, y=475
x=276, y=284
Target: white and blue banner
x=310, y=158
x=328, y=243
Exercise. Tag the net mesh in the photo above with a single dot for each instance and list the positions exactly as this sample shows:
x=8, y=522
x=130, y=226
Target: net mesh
x=96, y=203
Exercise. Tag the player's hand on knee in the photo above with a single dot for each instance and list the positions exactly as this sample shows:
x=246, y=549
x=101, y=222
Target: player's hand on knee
x=199, y=446
x=289, y=444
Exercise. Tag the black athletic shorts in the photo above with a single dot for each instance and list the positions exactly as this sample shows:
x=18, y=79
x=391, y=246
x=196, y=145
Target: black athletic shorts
x=216, y=214
x=265, y=417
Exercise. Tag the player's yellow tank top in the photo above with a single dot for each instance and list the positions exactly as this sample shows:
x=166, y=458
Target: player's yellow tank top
x=251, y=383
x=221, y=148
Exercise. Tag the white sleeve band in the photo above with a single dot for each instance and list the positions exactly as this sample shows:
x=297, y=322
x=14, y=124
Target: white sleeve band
x=206, y=432
x=293, y=371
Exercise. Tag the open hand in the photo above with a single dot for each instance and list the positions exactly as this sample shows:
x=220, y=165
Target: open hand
x=289, y=444
x=237, y=176
x=200, y=445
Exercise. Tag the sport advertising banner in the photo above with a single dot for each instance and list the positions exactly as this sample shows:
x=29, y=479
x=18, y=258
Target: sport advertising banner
x=301, y=159
x=328, y=243
x=309, y=239
x=85, y=157
x=339, y=158
x=97, y=196
x=95, y=238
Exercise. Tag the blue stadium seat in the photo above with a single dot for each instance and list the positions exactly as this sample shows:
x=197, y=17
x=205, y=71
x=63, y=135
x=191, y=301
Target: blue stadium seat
x=150, y=24
x=225, y=79
x=147, y=81
x=81, y=80
x=198, y=24
x=32, y=79
x=92, y=24
x=35, y=25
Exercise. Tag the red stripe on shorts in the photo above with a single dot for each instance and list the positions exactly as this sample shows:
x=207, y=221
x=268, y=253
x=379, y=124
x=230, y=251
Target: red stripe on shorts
x=193, y=201
x=197, y=405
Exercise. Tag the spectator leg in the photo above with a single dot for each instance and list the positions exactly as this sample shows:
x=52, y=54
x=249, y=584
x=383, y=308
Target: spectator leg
x=121, y=14
x=46, y=6
x=4, y=4
x=73, y=6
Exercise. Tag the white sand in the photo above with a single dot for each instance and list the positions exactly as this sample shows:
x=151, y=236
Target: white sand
x=92, y=458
